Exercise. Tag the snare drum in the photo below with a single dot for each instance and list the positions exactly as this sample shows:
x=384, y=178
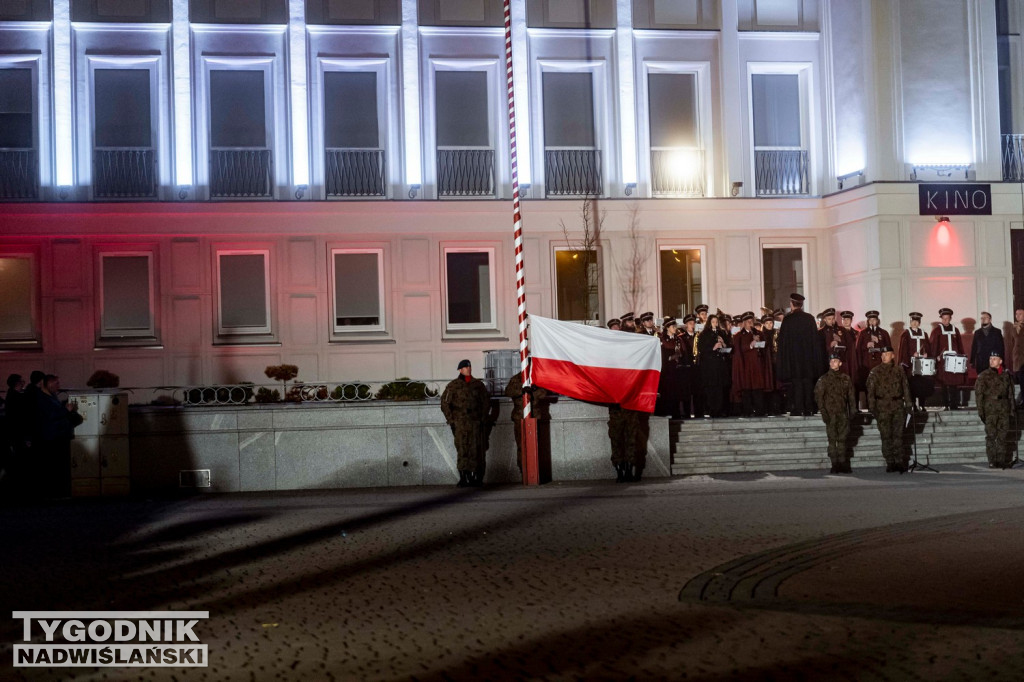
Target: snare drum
x=923, y=367
x=955, y=364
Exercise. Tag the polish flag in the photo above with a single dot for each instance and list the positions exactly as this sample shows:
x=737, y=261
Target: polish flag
x=595, y=364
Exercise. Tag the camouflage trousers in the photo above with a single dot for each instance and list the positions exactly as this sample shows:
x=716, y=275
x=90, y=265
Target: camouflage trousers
x=626, y=428
x=469, y=443
x=838, y=429
x=890, y=426
x=997, y=424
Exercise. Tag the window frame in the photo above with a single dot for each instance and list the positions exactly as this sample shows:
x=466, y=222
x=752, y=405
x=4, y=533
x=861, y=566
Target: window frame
x=686, y=246
x=705, y=130
x=34, y=341
x=490, y=326
x=106, y=336
x=603, y=116
x=247, y=334
x=386, y=115
x=41, y=116
x=348, y=332
x=492, y=69
x=555, y=248
x=804, y=73
x=805, y=250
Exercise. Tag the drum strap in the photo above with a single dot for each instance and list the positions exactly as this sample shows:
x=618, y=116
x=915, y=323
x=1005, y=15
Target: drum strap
x=949, y=338
x=917, y=339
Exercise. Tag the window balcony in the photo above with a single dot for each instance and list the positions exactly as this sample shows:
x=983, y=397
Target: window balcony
x=677, y=172
x=240, y=172
x=465, y=172
x=19, y=174
x=355, y=172
x=780, y=171
x=124, y=173
x=1013, y=157
x=572, y=171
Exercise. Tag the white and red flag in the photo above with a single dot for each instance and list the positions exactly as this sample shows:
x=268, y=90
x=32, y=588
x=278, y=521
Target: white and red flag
x=595, y=364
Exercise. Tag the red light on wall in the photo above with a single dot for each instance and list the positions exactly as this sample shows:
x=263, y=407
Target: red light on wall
x=942, y=232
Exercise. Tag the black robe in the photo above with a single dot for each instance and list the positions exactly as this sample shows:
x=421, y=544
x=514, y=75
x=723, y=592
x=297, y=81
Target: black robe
x=801, y=348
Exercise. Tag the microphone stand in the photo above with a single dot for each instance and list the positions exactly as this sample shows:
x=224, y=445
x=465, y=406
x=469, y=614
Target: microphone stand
x=915, y=465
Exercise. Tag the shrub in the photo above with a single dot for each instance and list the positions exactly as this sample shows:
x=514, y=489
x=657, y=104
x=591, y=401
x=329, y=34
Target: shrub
x=101, y=378
x=351, y=392
x=405, y=389
x=265, y=395
x=282, y=372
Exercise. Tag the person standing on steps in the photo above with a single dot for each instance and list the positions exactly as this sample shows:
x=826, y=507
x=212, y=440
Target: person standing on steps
x=889, y=402
x=914, y=343
x=945, y=340
x=465, y=404
x=869, y=344
x=837, y=403
x=801, y=355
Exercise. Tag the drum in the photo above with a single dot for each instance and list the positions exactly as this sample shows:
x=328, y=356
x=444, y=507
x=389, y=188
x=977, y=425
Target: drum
x=923, y=367
x=955, y=364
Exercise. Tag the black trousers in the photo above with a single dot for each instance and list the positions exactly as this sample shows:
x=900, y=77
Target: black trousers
x=803, y=396
x=753, y=403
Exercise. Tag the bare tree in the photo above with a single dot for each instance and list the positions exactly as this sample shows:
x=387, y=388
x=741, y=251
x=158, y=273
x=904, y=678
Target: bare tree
x=632, y=271
x=583, y=247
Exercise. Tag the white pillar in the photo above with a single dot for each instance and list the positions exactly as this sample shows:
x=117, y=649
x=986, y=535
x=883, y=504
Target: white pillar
x=984, y=66
x=297, y=79
x=627, y=92
x=181, y=78
x=63, y=112
x=411, y=95
x=521, y=74
x=734, y=77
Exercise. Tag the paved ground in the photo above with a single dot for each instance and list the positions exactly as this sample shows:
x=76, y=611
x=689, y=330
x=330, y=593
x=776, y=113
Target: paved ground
x=796, y=576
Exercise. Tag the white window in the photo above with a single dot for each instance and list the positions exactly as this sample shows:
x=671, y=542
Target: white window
x=784, y=272
x=19, y=154
x=353, y=127
x=127, y=296
x=682, y=278
x=469, y=288
x=124, y=117
x=19, y=299
x=243, y=287
x=573, y=105
x=779, y=129
x=677, y=127
x=577, y=284
x=358, y=294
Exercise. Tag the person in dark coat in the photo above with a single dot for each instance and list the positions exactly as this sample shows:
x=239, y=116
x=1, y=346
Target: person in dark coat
x=987, y=340
x=714, y=367
x=801, y=355
x=869, y=348
x=751, y=369
x=18, y=417
x=465, y=404
x=56, y=422
x=668, y=381
x=945, y=340
x=691, y=394
x=773, y=393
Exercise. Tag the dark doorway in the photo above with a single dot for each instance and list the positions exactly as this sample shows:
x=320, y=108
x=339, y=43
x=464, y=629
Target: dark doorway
x=1017, y=254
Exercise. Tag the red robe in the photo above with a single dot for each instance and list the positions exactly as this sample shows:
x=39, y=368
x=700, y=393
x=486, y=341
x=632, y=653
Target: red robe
x=836, y=336
x=751, y=369
x=910, y=344
x=867, y=340
x=941, y=343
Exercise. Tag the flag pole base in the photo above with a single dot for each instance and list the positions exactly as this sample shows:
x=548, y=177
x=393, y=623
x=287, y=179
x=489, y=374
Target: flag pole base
x=531, y=457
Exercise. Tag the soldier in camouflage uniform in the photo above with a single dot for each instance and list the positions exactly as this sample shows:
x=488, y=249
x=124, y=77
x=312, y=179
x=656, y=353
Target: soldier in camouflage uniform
x=889, y=400
x=994, y=393
x=466, y=403
x=837, y=402
x=538, y=407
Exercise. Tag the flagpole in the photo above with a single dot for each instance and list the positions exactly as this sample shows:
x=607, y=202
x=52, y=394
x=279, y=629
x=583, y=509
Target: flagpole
x=529, y=425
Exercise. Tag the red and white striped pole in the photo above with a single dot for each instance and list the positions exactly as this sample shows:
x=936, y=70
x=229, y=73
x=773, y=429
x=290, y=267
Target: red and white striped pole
x=531, y=474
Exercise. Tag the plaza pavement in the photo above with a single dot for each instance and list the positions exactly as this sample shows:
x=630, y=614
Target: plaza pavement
x=770, y=577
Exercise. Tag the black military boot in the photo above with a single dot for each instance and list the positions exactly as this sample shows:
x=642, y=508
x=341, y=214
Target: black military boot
x=463, y=482
x=620, y=471
x=475, y=479
x=636, y=474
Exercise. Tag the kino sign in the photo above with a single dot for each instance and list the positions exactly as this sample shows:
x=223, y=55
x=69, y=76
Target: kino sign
x=948, y=198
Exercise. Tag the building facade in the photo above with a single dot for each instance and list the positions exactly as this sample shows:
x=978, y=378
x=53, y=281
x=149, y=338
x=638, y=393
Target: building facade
x=195, y=189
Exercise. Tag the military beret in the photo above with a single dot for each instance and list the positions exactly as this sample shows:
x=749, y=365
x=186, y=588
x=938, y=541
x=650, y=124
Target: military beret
x=996, y=354
x=835, y=356
x=885, y=349
x=871, y=313
x=846, y=314
x=828, y=311
x=945, y=311
x=702, y=308
x=465, y=363
x=797, y=297
x=627, y=317
x=647, y=316
x=614, y=322
x=690, y=318
x=916, y=316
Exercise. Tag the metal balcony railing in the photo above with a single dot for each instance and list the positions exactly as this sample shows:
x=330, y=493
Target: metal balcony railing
x=240, y=172
x=677, y=172
x=124, y=173
x=354, y=172
x=19, y=174
x=465, y=172
x=780, y=171
x=572, y=171
x=1013, y=157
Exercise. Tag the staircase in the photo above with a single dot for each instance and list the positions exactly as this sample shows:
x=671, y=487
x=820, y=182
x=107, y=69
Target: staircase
x=710, y=446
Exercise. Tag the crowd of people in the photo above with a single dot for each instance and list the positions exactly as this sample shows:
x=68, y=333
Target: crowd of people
x=37, y=431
